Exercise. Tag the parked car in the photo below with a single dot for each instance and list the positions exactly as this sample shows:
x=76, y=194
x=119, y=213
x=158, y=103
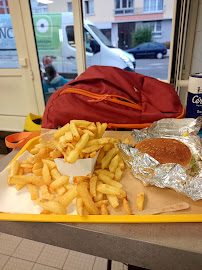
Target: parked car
x=149, y=49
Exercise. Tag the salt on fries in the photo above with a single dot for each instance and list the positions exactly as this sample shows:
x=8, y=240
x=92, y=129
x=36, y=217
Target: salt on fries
x=52, y=191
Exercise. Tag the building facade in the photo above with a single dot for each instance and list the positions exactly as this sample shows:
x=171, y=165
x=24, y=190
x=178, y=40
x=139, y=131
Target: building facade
x=119, y=18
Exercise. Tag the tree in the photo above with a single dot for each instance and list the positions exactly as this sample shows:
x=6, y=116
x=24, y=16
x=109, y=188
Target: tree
x=141, y=35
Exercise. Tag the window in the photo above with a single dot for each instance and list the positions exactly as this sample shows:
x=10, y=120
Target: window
x=71, y=41
x=155, y=26
x=153, y=46
x=4, y=9
x=70, y=36
x=143, y=46
x=153, y=5
x=69, y=6
x=88, y=38
x=124, y=7
x=89, y=7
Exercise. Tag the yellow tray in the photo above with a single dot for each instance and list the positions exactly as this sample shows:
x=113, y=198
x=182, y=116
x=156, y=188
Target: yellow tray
x=95, y=218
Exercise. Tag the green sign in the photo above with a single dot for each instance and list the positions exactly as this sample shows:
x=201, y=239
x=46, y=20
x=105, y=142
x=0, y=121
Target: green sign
x=48, y=29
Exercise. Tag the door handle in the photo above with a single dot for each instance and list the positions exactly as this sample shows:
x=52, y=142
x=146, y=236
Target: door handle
x=70, y=57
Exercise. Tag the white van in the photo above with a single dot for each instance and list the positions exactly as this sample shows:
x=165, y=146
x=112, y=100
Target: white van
x=55, y=37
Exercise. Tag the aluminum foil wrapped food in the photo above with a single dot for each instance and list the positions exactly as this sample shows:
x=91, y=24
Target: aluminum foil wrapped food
x=169, y=175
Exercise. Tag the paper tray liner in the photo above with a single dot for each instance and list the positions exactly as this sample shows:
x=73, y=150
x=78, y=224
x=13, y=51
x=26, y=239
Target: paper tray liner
x=154, y=198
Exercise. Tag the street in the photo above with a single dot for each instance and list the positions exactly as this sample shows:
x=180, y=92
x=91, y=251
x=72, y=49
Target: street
x=156, y=68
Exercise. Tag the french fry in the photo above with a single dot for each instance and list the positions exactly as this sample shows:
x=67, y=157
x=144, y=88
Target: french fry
x=140, y=201
x=20, y=171
x=114, y=140
x=27, y=179
x=90, y=133
x=85, y=211
x=79, y=179
x=82, y=123
x=62, y=142
x=46, y=174
x=69, y=186
x=33, y=192
x=49, y=144
x=104, y=210
x=45, y=212
x=87, y=199
x=45, y=193
x=118, y=174
x=92, y=148
x=108, y=157
x=82, y=142
x=38, y=172
x=99, y=197
x=80, y=131
x=55, y=174
x=42, y=154
x=93, y=129
x=107, y=189
x=34, y=151
x=98, y=141
x=59, y=182
x=55, y=154
x=79, y=206
x=52, y=206
x=51, y=164
x=127, y=141
x=27, y=170
x=30, y=160
x=74, y=154
x=126, y=205
x=26, y=165
x=107, y=180
x=60, y=190
x=121, y=165
x=98, y=204
x=93, y=154
x=108, y=146
x=86, y=155
x=114, y=163
x=13, y=170
x=61, y=131
x=102, y=130
x=93, y=183
x=100, y=156
x=113, y=200
x=38, y=165
x=18, y=187
x=68, y=136
x=108, y=173
x=68, y=197
x=74, y=131
x=98, y=125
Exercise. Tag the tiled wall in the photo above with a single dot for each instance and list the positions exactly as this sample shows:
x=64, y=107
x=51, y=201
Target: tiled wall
x=196, y=65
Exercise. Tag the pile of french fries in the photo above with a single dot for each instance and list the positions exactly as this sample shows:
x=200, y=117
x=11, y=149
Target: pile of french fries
x=53, y=192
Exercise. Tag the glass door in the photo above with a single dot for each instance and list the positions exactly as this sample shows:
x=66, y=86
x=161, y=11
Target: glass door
x=20, y=86
x=53, y=24
x=8, y=51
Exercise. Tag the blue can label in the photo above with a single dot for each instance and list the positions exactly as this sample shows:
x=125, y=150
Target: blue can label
x=194, y=104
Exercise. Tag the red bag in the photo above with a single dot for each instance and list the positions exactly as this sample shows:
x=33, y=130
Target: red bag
x=121, y=98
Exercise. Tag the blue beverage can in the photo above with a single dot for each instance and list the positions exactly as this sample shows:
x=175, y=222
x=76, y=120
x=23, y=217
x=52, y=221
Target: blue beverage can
x=194, y=98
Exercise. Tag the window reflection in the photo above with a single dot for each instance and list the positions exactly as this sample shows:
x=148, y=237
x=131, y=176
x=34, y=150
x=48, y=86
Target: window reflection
x=8, y=51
